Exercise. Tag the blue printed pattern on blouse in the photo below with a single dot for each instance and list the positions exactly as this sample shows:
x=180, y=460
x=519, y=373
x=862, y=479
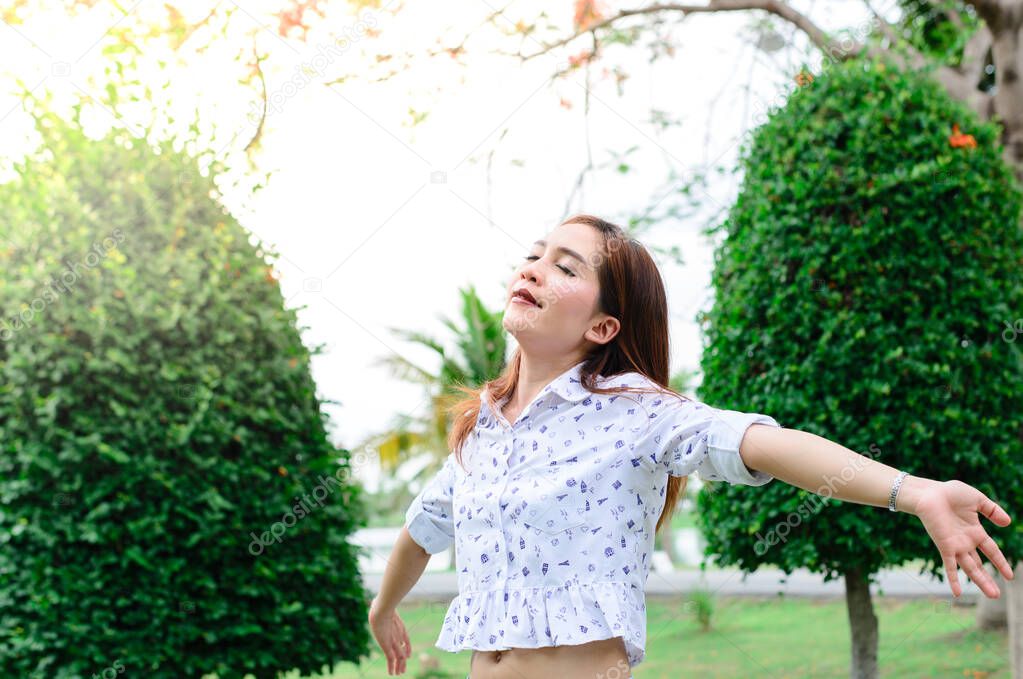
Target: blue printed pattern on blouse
x=553, y=515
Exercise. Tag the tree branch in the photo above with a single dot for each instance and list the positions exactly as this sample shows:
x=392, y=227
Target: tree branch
x=916, y=58
x=886, y=27
x=993, y=12
x=1006, y=24
x=781, y=9
x=263, y=97
x=959, y=83
x=952, y=14
x=975, y=53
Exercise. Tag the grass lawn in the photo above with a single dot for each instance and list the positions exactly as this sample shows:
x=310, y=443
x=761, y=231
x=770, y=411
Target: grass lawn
x=779, y=638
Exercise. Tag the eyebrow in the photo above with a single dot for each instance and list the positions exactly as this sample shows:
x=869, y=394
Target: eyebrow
x=567, y=251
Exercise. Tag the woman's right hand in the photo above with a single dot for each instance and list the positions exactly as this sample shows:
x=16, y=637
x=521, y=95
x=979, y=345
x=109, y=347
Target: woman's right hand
x=390, y=633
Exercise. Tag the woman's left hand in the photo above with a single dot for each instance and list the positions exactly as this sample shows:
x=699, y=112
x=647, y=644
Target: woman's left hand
x=949, y=511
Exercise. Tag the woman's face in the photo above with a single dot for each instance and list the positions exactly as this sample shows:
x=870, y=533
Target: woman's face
x=560, y=272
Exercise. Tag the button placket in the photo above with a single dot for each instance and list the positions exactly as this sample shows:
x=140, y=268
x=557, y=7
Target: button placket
x=502, y=506
x=512, y=427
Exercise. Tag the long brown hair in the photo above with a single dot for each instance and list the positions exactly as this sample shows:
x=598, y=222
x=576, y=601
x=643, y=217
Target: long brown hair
x=631, y=290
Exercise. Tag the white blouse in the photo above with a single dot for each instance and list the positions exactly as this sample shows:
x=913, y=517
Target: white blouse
x=553, y=516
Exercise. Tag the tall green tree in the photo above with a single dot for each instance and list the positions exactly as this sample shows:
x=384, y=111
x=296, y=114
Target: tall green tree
x=171, y=506
x=869, y=270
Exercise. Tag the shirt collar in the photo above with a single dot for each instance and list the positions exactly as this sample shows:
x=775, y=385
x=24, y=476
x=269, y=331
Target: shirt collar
x=567, y=385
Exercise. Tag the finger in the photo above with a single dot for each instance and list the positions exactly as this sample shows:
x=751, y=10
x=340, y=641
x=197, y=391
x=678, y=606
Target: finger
x=953, y=574
x=408, y=643
x=975, y=570
x=403, y=642
x=394, y=647
x=995, y=556
x=392, y=655
x=993, y=511
x=990, y=586
x=398, y=653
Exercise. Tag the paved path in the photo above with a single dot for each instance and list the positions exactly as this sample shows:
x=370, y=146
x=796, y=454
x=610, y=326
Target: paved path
x=443, y=585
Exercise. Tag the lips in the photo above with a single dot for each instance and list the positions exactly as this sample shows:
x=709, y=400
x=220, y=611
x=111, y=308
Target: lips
x=526, y=295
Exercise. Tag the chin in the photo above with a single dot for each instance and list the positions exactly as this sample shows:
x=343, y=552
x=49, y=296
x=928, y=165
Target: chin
x=518, y=327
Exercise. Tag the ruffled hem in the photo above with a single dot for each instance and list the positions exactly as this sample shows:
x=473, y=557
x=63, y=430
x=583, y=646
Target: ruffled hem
x=560, y=615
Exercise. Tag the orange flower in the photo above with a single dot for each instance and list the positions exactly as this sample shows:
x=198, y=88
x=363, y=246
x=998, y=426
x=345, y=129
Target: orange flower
x=804, y=78
x=282, y=471
x=587, y=14
x=290, y=18
x=294, y=17
x=959, y=140
x=580, y=58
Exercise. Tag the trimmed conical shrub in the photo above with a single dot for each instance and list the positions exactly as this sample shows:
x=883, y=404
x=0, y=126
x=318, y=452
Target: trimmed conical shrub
x=868, y=290
x=171, y=505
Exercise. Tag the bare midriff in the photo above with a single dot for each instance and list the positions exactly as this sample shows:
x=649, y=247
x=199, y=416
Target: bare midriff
x=605, y=658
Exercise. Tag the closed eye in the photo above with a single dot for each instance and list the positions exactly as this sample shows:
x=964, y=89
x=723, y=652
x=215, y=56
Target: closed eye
x=563, y=268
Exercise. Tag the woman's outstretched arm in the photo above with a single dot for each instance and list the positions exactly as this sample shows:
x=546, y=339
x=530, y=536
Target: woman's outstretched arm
x=948, y=509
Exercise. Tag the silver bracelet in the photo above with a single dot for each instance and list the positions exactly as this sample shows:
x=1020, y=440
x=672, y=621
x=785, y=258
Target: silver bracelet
x=896, y=484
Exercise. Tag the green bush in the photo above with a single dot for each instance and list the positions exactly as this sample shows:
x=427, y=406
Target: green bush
x=171, y=505
x=700, y=603
x=863, y=285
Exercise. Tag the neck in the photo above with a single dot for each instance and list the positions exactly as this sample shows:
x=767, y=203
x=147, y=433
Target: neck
x=535, y=374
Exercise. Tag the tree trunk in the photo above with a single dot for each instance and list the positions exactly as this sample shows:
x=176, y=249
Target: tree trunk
x=862, y=625
x=992, y=614
x=1007, y=54
x=1015, y=609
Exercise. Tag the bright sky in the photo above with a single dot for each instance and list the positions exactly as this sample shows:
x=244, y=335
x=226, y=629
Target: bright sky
x=379, y=223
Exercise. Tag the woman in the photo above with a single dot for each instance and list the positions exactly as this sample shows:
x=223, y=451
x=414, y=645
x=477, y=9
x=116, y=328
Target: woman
x=564, y=467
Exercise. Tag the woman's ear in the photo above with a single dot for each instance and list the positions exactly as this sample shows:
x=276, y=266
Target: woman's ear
x=604, y=330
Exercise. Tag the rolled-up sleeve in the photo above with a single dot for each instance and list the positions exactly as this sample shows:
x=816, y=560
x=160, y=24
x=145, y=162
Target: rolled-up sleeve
x=687, y=436
x=429, y=518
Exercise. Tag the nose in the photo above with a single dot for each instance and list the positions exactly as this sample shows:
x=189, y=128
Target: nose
x=530, y=271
